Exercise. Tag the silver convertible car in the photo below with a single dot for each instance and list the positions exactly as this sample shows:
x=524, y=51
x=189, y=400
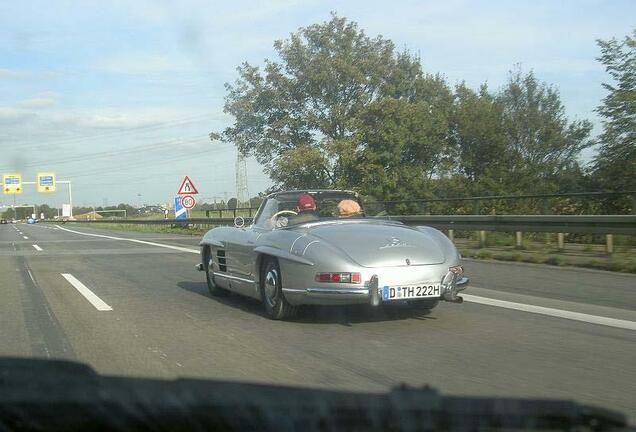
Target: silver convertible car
x=287, y=258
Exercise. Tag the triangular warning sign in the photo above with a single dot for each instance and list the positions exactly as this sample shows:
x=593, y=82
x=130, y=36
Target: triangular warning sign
x=187, y=187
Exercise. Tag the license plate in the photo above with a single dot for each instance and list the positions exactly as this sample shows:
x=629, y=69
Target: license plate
x=410, y=291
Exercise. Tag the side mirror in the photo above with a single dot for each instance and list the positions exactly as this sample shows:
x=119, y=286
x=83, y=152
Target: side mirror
x=239, y=222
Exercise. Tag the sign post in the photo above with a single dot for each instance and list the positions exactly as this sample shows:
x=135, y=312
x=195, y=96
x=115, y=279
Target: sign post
x=12, y=184
x=187, y=187
x=188, y=201
x=46, y=182
x=179, y=211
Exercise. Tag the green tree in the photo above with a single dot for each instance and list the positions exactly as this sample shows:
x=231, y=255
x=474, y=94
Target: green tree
x=543, y=145
x=232, y=203
x=479, y=135
x=310, y=117
x=615, y=165
x=130, y=210
x=48, y=211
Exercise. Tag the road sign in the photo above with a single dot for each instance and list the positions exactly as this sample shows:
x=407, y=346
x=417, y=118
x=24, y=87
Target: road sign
x=179, y=211
x=187, y=187
x=188, y=201
x=66, y=210
x=12, y=183
x=46, y=182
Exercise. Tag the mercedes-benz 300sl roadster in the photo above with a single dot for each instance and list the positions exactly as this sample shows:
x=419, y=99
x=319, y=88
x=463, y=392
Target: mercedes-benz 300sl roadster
x=319, y=247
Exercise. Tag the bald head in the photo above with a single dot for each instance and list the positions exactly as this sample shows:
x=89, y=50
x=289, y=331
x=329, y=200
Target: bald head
x=348, y=208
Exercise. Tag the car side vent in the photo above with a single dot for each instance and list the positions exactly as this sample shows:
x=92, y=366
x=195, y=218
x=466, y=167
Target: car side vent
x=220, y=256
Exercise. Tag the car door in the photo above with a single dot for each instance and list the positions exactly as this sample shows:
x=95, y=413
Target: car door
x=240, y=260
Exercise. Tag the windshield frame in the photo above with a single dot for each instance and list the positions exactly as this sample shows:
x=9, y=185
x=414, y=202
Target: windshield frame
x=262, y=218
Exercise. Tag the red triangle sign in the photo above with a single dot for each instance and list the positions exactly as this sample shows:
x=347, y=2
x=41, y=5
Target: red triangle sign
x=187, y=187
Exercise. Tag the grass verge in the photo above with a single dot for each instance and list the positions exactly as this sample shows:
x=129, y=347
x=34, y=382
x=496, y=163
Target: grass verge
x=618, y=262
x=193, y=230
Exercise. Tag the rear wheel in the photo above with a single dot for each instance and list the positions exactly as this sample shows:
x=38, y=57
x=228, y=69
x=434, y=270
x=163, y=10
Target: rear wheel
x=214, y=289
x=276, y=306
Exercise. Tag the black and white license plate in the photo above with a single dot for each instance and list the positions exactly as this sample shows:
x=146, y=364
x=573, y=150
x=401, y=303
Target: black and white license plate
x=411, y=291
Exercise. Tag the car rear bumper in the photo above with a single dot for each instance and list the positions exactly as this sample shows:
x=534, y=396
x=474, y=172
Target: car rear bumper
x=369, y=294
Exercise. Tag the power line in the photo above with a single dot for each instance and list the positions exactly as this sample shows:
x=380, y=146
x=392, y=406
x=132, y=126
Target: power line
x=133, y=129
x=172, y=159
x=105, y=154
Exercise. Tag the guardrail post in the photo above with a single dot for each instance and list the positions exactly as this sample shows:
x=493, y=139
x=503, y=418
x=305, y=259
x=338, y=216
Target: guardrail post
x=609, y=243
x=482, y=239
x=519, y=240
x=451, y=235
x=560, y=241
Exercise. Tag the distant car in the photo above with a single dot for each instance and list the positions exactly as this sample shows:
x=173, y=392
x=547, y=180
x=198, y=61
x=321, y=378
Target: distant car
x=330, y=260
x=30, y=221
x=3, y=222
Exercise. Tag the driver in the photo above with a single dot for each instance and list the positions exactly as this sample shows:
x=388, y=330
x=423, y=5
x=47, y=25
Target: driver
x=306, y=208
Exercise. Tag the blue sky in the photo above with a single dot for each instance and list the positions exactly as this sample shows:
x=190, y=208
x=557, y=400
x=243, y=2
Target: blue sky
x=118, y=96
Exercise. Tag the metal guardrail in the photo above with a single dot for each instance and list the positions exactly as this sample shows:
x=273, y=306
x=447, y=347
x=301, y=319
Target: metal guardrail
x=596, y=224
x=191, y=221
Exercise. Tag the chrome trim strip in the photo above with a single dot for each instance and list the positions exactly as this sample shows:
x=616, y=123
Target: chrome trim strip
x=309, y=244
x=240, y=279
x=294, y=291
x=338, y=291
x=291, y=248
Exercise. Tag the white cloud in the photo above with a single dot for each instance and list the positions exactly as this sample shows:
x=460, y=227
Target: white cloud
x=12, y=114
x=12, y=74
x=42, y=100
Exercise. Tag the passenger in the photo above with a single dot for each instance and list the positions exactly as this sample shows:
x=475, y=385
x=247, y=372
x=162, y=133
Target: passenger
x=348, y=208
x=306, y=209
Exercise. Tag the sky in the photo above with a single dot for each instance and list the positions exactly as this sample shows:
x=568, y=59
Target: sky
x=119, y=96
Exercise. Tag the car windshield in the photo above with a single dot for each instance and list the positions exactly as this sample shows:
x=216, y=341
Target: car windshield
x=282, y=210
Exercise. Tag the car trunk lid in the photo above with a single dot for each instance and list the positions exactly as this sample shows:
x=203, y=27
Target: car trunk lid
x=376, y=244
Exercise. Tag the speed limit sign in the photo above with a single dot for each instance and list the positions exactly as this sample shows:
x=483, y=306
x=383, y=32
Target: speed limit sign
x=188, y=202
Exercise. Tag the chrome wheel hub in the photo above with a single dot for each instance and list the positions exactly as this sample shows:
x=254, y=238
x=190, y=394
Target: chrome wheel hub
x=271, y=281
x=208, y=270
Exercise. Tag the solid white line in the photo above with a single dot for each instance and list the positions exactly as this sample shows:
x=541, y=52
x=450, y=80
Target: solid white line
x=25, y=237
x=558, y=313
x=99, y=304
x=178, y=248
x=37, y=248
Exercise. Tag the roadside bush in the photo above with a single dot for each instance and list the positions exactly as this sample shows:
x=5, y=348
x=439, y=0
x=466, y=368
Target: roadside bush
x=555, y=260
x=484, y=254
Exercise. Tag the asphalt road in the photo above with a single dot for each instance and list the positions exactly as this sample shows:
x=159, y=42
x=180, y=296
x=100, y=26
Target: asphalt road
x=538, y=335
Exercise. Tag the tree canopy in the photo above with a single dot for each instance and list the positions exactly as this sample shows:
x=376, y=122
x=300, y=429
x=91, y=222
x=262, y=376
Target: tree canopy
x=615, y=165
x=339, y=108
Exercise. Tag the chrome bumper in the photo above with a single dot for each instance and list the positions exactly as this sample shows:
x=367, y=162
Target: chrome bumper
x=451, y=290
x=370, y=294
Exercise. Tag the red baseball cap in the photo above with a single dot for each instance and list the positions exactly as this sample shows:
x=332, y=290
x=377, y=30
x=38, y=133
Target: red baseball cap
x=306, y=202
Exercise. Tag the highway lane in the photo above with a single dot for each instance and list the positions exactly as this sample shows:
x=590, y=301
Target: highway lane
x=164, y=324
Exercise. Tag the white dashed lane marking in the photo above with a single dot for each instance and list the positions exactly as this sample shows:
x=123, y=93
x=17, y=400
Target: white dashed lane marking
x=92, y=298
